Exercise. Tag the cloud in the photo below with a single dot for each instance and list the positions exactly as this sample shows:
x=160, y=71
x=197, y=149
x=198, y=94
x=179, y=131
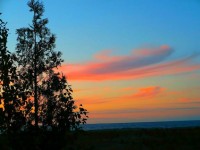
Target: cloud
x=136, y=60
x=144, y=92
x=187, y=100
x=138, y=64
x=149, y=91
x=144, y=110
x=126, y=89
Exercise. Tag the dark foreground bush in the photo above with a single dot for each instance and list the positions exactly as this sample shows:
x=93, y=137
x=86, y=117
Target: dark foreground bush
x=126, y=139
x=40, y=140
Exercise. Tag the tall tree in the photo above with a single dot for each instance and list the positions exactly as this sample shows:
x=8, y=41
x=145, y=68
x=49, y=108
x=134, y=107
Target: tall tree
x=31, y=90
x=35, y=52
x=11, y=115
x=48, y=100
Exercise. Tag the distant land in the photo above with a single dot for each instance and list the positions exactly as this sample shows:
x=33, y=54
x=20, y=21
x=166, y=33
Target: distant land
x=160, y=124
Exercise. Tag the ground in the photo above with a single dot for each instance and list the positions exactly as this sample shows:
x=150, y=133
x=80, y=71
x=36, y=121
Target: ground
x=121, y=139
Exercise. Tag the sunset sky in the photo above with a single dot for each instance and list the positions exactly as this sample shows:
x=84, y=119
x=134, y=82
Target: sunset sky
x=127, y=60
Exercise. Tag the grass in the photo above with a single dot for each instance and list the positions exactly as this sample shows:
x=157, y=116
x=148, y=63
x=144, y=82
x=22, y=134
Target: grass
x=124, y=139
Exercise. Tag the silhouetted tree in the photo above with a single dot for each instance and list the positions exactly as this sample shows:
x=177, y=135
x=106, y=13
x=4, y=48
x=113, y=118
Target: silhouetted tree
x=61, y=111
x=35, y=54
x=32, y=91
x=11, y=116
x=48, y=95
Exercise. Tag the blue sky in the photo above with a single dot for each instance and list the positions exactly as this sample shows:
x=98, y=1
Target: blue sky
x=150, y=44
x=120, y=25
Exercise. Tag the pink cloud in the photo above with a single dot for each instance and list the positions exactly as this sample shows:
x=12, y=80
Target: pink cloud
x=139, y=64
x=149, y=91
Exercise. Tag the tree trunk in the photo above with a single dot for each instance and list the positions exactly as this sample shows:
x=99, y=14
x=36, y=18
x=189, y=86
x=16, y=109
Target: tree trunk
x=35, y=78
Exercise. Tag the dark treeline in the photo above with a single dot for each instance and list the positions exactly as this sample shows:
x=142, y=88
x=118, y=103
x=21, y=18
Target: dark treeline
x=34, y=95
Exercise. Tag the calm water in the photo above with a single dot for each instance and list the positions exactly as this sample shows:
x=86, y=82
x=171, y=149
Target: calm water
x=165, y=124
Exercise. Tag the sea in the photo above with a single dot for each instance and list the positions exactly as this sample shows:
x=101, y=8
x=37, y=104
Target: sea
x=162, y=124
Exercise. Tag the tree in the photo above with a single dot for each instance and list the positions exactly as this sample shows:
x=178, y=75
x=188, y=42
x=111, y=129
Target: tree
x=61, y=111
x=35, y=53
x=32, y=90
x=11, y=116
x=48, y=96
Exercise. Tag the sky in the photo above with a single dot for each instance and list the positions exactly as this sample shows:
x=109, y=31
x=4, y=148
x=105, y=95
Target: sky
x=127, y=61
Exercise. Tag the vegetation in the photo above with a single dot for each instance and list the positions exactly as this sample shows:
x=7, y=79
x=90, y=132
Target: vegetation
x=10, y=113
x=127, y=139
x=139, y=139
x=34, y=95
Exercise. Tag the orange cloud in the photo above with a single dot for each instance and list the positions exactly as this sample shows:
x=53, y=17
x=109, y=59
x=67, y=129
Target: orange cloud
x=149, y=91
x=144, y=114
x=145, y=92
x=127, y=89
x=139, y=64
x=187, y=100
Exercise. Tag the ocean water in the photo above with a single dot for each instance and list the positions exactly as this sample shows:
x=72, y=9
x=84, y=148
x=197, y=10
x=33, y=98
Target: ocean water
x=164, y=124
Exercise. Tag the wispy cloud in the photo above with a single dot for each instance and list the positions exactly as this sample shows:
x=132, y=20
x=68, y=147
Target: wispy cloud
x=148, y=91
x=141, y=93
x=138, y=64
x=126, y=89
x=146, y=110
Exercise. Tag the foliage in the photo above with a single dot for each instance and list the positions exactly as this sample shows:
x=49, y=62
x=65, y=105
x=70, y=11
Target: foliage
x=117, y=139
x=36, y=56
x=33, y=91
x=60, y=109
x=11, y=117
